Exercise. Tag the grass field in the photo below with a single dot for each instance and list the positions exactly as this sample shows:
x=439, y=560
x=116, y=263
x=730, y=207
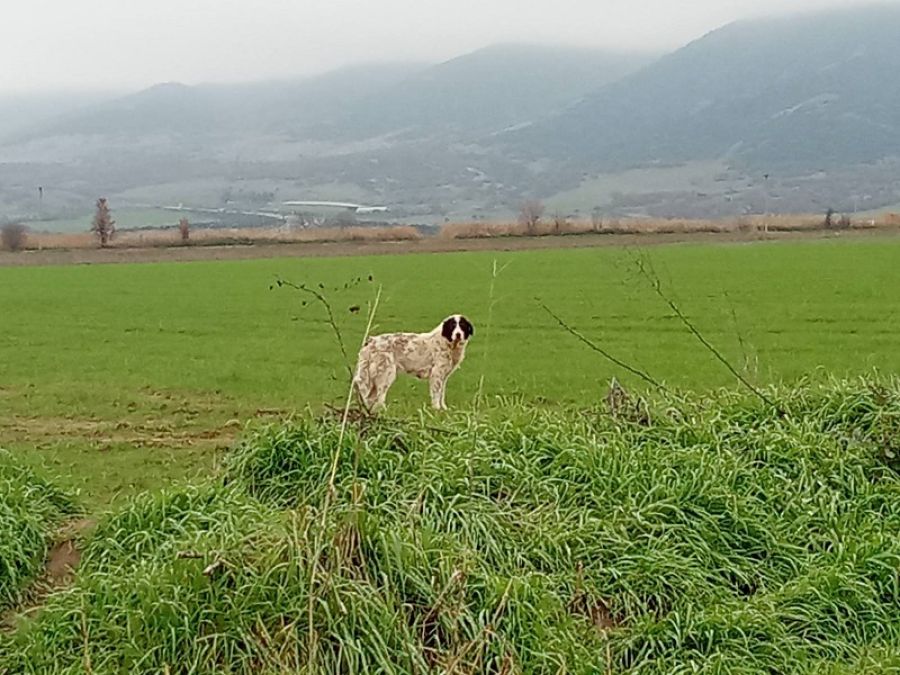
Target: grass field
x=125, y=218
x=718, y=537
x=124, y=377
x=231, y=528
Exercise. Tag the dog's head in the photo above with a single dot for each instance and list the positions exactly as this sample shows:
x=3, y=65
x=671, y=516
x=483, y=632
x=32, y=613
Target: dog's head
x=457, y=329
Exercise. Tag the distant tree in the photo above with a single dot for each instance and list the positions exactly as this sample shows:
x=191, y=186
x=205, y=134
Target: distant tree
x=597, y=219
x=530, y=215
x=559, y=222
x=103, y=225
x=829, y=215
x=12, y=236
x=184, y=227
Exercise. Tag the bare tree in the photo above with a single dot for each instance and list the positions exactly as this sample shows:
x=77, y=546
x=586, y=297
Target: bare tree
x=596, y=219
x=103, y=224
x=12, y=236
x=530, y=215
x=184, y=227
x=559, y=222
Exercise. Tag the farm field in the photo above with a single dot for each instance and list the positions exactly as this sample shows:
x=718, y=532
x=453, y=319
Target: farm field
x=164, y=432
x=125, y=218
x=125, y=377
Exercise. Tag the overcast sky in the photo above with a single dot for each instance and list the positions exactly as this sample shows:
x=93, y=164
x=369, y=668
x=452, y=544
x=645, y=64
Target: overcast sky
x=50, y=44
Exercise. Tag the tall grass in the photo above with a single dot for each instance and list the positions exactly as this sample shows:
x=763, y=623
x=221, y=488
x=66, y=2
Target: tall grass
x=635, y=225
x=720, y=537
x=226, y=236
x=30, y=507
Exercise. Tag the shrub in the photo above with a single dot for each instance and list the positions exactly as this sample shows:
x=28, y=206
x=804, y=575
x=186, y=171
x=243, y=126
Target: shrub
x=13, y=236
x=530, y=215
x=184, y=229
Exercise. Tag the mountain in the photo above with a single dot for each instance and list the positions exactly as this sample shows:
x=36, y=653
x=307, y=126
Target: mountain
x=18, y=112
x=486, y=90
x=797, y=113
x=418, y=137
x=792, y=93
x=232, y=110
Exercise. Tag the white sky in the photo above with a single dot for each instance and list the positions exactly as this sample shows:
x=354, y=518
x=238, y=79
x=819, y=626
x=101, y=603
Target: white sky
x=51, y=44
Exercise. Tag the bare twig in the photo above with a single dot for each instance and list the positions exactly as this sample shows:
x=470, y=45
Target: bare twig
x=322, y=300
x=645, y=267
x=346, y=415
x=597, y=348
x=495, y=272
x=737, y=329
x=330, y=493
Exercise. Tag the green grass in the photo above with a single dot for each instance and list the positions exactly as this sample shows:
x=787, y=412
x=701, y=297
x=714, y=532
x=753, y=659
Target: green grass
x=127, y=218
x=720, y=538
x=118, y=376
x=602, y=190
x=30, y=507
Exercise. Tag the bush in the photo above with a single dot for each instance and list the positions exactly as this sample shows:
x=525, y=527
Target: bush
x=530, y=214
x=13, y=236
x=184, y=229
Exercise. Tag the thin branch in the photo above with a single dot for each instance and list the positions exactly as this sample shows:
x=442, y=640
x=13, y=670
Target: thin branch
x=352, y=389
x=495, y=273
x=737, y=329
x=645, y=267
x=330, y=492
x=597, y=348
x=303, y=288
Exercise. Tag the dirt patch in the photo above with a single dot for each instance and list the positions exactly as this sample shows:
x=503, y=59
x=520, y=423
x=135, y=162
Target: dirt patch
x=153, y=433
x=60, y=565
x=62, y=561
x=426, y=245
x=151, y=419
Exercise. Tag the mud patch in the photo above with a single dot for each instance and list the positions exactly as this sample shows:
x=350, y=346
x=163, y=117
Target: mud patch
x=60, y=565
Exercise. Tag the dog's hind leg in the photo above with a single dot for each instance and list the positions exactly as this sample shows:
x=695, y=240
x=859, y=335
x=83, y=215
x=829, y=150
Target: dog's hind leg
x=381, y=384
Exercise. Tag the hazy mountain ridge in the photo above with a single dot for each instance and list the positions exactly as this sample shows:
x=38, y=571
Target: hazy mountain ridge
x=227, y=109
x=810, y=100
x=487, y=90
x=797, y=92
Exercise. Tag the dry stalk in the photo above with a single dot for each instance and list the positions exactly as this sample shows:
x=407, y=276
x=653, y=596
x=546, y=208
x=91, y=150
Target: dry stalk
x=330, y=492
x=645, y=267
x=600, y=350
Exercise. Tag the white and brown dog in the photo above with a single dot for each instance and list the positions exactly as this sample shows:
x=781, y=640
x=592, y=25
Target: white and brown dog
x=429, y=356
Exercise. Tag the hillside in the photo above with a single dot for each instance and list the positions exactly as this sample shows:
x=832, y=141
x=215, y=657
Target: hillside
x=791, y=114
x=229, y=110
x=488, y=90
x=485, y=90
x=795, y=93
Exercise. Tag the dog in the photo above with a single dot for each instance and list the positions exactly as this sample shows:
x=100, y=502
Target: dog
x=431, y=356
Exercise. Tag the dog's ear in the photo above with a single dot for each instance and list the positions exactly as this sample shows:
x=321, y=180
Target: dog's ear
x=448, y=327
x=467, y=328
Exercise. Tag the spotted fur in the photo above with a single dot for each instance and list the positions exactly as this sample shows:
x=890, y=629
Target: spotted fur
x=431, y=356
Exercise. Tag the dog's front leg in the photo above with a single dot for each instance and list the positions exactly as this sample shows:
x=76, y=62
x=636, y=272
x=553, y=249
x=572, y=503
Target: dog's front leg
x=436, y=386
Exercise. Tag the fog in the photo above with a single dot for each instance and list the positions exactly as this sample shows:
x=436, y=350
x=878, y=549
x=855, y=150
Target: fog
x=59, y=44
